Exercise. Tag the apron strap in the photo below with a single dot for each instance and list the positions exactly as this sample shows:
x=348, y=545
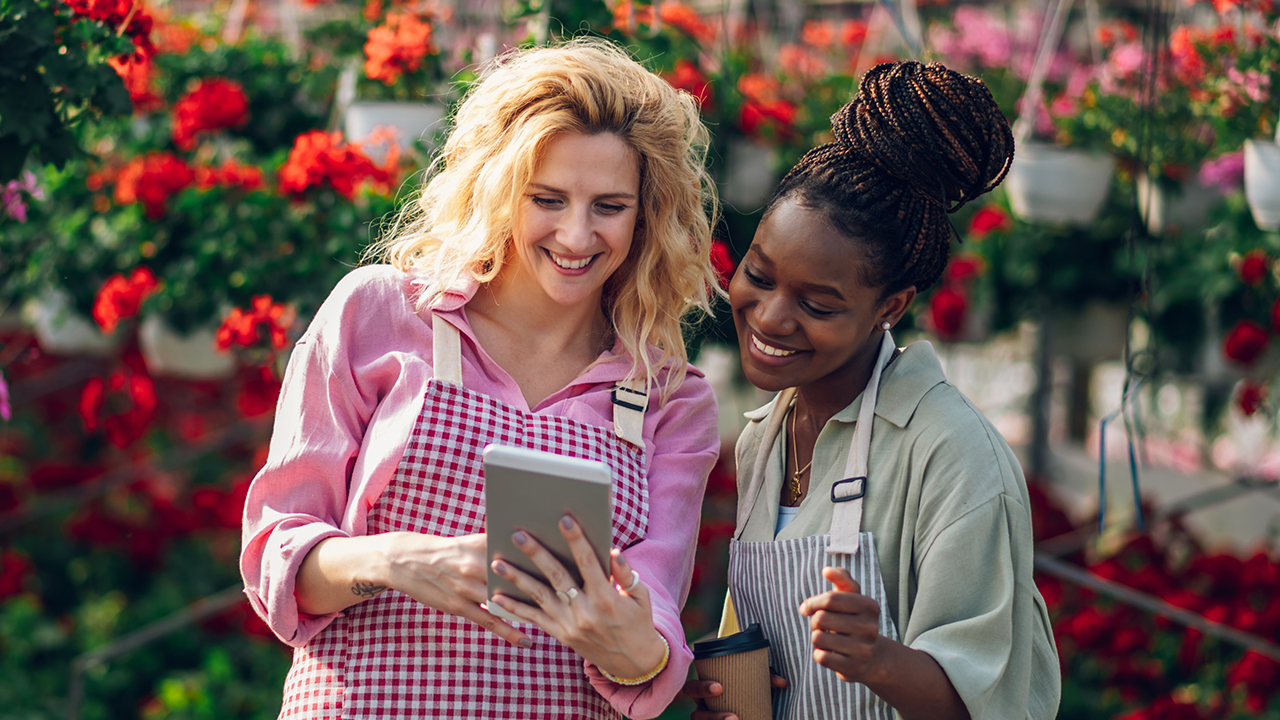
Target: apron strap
x=446, y=351
x=772, y=424
x=846, y=495
x=630, y=397
x=630, y=400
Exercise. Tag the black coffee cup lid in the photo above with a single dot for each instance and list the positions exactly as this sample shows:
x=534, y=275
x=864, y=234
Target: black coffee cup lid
x=750, y=639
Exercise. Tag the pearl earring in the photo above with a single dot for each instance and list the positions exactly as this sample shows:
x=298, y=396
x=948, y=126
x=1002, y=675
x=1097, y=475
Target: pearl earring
x=886, y=325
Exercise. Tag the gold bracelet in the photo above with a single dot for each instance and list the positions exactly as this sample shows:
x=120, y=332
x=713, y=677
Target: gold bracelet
x=666, y=655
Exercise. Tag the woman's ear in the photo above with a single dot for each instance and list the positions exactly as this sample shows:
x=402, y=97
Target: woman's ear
x=896, y=305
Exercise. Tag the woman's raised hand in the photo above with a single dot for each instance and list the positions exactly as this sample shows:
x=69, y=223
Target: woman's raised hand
x=608, y=621
x=845, y=628
x=446, y=573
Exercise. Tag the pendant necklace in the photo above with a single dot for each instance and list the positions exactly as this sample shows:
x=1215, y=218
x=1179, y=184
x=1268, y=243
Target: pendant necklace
x=793, y=494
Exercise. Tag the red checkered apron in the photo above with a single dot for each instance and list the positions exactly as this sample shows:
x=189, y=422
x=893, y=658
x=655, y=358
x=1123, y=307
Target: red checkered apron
x=391, y=656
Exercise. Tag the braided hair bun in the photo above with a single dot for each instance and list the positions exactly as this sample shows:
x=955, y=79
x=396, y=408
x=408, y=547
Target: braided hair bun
x=918, y=142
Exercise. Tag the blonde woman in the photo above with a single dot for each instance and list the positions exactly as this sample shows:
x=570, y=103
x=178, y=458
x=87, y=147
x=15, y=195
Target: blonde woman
x=548, y=260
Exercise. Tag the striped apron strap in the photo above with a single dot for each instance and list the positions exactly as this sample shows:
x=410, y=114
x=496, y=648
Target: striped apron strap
x=846, y=517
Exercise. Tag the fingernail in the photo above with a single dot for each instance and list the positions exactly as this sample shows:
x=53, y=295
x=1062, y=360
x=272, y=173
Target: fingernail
x=566, y=522
x=716, y=688
x=519, y=537
x=499, y=567
x=525, y=643
x=622, y=561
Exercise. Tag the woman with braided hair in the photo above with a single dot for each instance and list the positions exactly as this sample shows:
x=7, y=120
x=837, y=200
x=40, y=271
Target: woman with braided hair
x=883, y=537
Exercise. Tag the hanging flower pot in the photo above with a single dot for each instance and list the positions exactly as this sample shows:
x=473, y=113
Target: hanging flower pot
x=60, y=330
x=749, y=174
x=191, y=356
x=1183, y=209
x=1050, y=184
x=412, y=120
x=1262, y=182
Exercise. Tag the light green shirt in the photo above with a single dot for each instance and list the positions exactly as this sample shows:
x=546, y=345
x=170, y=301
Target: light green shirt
x=947, y=503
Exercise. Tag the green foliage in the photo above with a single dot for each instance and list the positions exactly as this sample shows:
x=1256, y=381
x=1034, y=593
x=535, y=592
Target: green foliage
x=54, y=77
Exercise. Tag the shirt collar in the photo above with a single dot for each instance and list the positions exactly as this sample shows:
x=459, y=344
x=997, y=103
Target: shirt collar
x=451, y=306
x=902, y=385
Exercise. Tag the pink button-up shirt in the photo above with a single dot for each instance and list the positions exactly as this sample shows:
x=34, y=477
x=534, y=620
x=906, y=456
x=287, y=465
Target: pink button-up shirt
x=352, y=394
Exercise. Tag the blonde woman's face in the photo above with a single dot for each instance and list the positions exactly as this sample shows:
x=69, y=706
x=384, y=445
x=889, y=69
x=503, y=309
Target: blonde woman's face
x=576, y=219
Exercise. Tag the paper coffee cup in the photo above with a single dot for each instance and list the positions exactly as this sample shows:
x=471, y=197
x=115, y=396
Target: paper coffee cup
x=740, y=663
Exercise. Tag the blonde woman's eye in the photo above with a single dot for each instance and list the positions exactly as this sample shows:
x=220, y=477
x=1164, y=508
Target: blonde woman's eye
x=546, y=202
x=611, y=208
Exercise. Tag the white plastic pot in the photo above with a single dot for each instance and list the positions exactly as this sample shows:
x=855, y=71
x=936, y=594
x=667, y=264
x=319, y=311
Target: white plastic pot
x=1262, y=182
x=749, y=174
x=1185, y=209
x=1050, y=184
x=192, y=356
x=60, y=330
x=413, y=120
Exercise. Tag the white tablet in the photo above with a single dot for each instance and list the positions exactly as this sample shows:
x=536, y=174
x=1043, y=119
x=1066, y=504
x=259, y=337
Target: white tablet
x=531, y=490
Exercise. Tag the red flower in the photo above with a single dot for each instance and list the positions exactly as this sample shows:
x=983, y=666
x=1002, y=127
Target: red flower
x=676, y=14
x=397, y=47
x=259, y=390
x=1245, y=342
x=15, y=568
x=128, y=17
x=687, y=77
x=1260, y=675
x=964, y=268
x=722, y=261
x=135, y=70
x=241, y=328
x=152, y=180
x=853, y=32
x=1254, y=267
x=120, y=298
x=231, y=174
x=214, y=104
x=758, y=117
x=133, y=392
x=990, y=218
x=1251, y=396
x=947, y=309
x=318, y=158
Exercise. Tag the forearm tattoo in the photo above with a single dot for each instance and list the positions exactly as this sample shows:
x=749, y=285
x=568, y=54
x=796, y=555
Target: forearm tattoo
x=367, y=590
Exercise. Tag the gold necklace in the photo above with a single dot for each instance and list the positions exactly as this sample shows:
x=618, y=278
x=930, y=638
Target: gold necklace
x=793, y=485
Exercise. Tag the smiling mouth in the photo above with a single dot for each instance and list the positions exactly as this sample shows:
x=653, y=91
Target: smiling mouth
x=568, y=264
x=769, y=349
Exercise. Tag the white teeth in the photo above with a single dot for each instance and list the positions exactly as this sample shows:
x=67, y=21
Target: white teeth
x=570, y=264
x=769, y=349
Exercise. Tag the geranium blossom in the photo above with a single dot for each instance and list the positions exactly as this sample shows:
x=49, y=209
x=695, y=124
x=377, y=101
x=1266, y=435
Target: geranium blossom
x=230, y=174
x=6, y=410
x=214, y=104
x=14, y=206
x=686, y=76
x=1225, y=172
x=722, y=261
x=987, y=220
x=1254, y=267
x=135, y=70
x=965, y=268
x=131, y=389
x=128, y=17
x=628, y=15
x=241, y=327
x=152, y=179
x=1245, y=342
x=1251, y=397
x=319, y=158
x=398, y=46
x=947, y=308
x=120, y=297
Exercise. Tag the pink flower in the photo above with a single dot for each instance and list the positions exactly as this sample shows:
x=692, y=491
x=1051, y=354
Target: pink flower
x=1254, y=83
x=6, y=411
x=1226, y=172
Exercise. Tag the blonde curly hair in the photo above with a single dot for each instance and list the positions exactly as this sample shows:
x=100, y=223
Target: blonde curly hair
x=461, y=220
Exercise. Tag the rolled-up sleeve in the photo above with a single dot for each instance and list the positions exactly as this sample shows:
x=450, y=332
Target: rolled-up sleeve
x=685, y=446
x=300, y=495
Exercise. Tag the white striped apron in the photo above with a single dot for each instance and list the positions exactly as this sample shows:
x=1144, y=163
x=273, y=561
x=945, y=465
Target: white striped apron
x=393, y=657
x=769, y=580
